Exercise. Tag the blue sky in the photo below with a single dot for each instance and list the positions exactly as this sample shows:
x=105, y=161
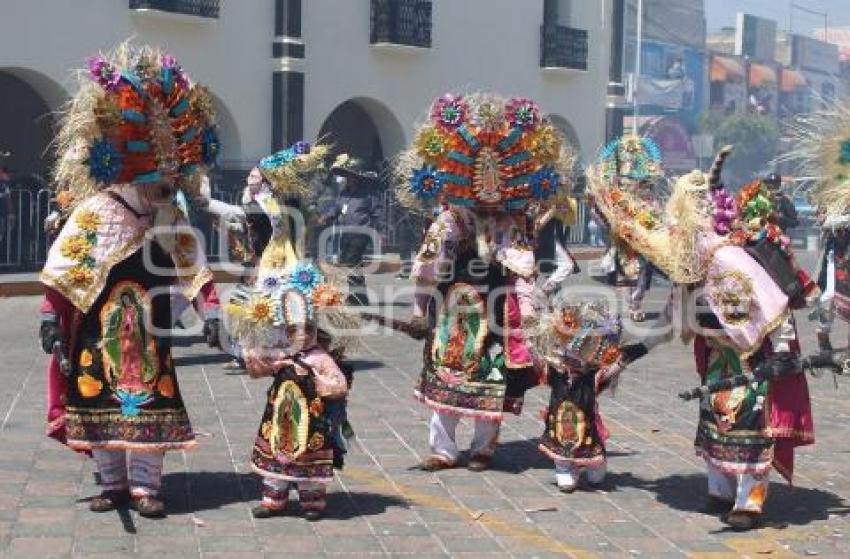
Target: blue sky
x=721, y=13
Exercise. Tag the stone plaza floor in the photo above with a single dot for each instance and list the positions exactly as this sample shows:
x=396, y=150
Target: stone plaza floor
x=380, y=505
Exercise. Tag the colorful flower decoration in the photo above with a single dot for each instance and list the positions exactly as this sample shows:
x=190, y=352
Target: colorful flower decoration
x=301, y=148
x=271, y=282
x=431, y=143
x=260, y=310
x=545, y=183
x=104, y=73
x=449, y=111
x=105, y=161
x=725, y=210
x=79, y=275
x=88, y=220
x=210, y=146
x=427, y=182
x=523, y=113
x=845, y=153
x=305, y=277
x=75, y=247
x=278, y=159
x=325, y=295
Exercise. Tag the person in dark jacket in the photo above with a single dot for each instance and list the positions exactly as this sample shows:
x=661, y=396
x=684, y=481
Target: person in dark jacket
x=784, y=213
x=354, y=211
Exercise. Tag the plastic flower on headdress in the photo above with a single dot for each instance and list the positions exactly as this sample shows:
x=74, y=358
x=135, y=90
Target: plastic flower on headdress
x=104, y=73
x=305, y=277
x=260, y=310
x=523, y=113
x=545, y=144
x=277, y=159
x=104, y=161
x=301, y=148
x=431, y=143
x=545, y=183
x=725, y=210
x=427, y=182
x=449, y=111
x=326, y=295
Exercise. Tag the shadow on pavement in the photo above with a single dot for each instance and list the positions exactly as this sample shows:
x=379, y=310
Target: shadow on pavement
x=215, y=358
x=522, y=455
x=187, y=493
x=364, y=365
x=785, y=506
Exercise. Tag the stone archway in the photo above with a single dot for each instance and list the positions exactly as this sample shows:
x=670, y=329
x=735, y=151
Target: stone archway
x=364, y=128
x=228, y=133
x=28, y=122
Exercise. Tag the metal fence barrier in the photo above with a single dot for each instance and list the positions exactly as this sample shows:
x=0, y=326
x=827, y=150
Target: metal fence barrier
x=24, y=244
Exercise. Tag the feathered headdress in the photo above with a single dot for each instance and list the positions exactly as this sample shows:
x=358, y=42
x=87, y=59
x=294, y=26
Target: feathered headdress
x=664, y=225
x=577, y=332
x=289, y=171
x=822, y=151
x=483, y=151
x=136, y=119
x=297, y=296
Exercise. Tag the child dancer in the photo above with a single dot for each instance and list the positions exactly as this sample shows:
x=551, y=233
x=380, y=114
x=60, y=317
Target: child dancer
x=579, y=342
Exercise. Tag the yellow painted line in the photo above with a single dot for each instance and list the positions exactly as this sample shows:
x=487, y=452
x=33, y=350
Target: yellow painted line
x=527, y=535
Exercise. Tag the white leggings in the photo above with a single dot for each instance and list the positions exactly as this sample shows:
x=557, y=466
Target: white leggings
x=746, y=491
x=442, y=436
x=140, y=472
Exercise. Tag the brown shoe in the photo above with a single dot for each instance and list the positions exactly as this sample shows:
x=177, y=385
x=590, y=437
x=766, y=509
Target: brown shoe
x=435, y=463
x=479, y=463
x=742, y=520
x=109, y=500
x=148, y=506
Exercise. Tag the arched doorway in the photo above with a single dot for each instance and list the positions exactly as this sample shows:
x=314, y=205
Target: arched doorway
x=28, y=119
x=228, y=177
x=366, y=129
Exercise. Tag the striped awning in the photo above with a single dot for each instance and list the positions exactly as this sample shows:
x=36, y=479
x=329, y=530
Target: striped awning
x=761, y=74
x=723, y=68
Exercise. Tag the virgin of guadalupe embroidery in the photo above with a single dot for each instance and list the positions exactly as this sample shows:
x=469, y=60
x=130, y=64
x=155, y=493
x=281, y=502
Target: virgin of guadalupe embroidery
x=461, y=330
x=290, y=421
x=130, y=360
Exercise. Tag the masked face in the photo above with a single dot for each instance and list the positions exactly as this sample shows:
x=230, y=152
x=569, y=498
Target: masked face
x=255, y=180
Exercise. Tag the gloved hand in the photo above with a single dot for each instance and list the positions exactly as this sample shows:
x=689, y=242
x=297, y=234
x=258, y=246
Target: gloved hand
x=49, y=333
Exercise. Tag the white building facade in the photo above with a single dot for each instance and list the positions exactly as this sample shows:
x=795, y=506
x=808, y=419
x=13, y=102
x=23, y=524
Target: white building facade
x=357, y=73
x=286, y=69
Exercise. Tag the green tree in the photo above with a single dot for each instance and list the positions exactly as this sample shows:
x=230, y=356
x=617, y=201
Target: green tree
x=755, y=137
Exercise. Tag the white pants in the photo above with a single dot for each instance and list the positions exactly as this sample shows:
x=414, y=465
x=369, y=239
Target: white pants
x=442, y=437
x=140, y=472
x=746, y=491
x=567, y=474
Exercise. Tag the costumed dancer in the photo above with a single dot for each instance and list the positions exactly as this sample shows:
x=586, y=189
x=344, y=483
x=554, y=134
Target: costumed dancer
x=136, y=130
x=287, y=329
x=636, y=161
x=275, y=225
x=551, y=225
x=287, y=324
x=483, y=158
x=578, y=339
x=822, y=141
x=754, y=402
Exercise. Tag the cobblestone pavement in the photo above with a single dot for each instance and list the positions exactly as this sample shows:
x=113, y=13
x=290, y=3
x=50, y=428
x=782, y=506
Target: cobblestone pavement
x=380, y=505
